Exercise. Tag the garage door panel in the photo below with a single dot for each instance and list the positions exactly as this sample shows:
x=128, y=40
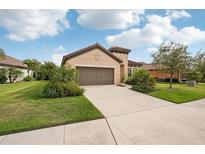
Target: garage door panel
x=96, y=76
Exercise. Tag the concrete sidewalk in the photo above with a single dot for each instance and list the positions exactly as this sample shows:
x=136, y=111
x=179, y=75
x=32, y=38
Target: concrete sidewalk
x=90, y=132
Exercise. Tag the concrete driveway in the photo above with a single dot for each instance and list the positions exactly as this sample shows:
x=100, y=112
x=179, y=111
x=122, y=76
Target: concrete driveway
x=136, y=118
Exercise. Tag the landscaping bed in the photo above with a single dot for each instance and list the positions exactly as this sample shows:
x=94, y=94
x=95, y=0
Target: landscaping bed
x=180, y=93
x=22, y=108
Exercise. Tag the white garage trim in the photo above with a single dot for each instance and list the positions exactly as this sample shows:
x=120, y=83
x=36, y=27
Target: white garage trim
x=101, y=66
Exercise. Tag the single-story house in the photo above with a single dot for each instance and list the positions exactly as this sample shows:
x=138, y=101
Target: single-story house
x=9, y=61
x=99, y=66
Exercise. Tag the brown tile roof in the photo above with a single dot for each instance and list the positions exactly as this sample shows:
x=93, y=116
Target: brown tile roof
x=10, y=61
x=151, y=66
x=133, y=63
x=81, y=51
x=118, y=49
x=142, y=62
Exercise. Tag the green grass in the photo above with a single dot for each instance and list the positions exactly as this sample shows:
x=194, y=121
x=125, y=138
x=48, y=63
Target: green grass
x=180, y=93
x=23, y=108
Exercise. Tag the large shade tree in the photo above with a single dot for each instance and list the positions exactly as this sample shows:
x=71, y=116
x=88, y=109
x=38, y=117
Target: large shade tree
x=172, y=58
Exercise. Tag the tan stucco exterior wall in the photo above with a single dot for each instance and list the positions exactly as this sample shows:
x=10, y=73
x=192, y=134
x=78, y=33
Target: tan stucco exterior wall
x=96, y=58
x=124, y=57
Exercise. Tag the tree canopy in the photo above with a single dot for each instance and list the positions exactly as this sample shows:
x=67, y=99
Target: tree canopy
x=173, y=58
x=2, y=54
x=33, y=65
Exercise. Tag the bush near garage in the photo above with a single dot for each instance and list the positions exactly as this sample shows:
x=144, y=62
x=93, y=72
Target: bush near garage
x=129, y=81
x=63, y=83
x=142, y=81
x=57, y=90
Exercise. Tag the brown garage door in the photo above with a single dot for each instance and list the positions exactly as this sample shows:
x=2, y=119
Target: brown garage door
x=96, y=76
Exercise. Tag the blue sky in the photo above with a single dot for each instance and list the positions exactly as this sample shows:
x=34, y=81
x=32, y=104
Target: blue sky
x=49, y=34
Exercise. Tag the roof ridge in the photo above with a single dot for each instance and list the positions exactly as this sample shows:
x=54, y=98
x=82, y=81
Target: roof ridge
x=80, y=51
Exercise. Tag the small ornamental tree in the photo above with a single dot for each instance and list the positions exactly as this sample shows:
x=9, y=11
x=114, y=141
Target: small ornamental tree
x=172, y=58
x=13, y=74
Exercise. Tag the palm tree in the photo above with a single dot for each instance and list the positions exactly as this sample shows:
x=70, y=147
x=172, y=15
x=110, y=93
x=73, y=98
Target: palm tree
x=2, y=54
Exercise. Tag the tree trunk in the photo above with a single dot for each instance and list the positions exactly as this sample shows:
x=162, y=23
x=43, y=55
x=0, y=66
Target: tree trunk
x=170, y=83
x=10, y=79
x=179, y=76
x=14, y=78
x=28, y=71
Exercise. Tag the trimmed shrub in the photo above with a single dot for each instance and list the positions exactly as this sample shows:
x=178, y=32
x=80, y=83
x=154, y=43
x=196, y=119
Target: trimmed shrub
x=142, y=81
x=64, y=74
x=174, y=80
x=142, y=88
x=3, y=77
x=74, y=89
x=27, y=79
x=129, y=81
x=63, y=83
x=60, y=89
x=194, y=76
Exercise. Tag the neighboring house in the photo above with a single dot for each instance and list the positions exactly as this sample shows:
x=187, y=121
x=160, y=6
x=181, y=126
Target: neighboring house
x=155, y=72
x=99, y=66
x=132, y=65
x=13, y=62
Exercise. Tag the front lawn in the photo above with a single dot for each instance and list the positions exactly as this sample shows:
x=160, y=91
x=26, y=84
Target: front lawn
x=180, y=93
x=22, y=108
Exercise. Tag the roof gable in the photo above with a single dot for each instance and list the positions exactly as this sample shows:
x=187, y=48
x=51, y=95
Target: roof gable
x=87, y=49
x=119, y=49
x=11, y=61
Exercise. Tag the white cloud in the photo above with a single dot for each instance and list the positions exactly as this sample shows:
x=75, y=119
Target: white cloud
x=58, y=54
x=152, y=33
x=176, y=14
x=57, y=57
x=152, y=49
x=109, y=19
x=59, y=49
x=23, y=25
x=157, y=30
x=188, y=35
